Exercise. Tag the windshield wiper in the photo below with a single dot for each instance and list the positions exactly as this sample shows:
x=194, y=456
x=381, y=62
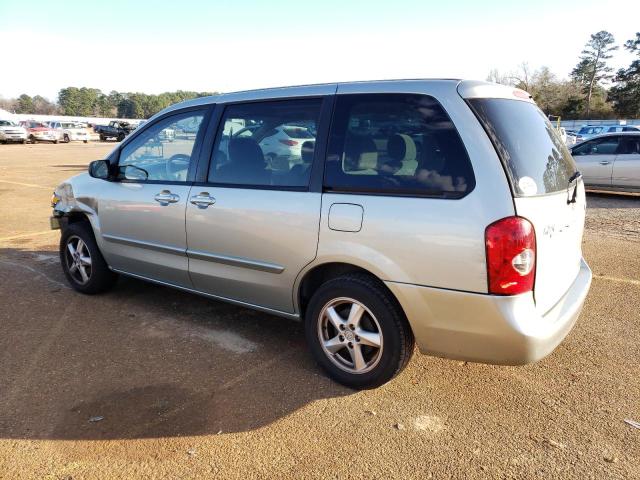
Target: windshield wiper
x=572, y=179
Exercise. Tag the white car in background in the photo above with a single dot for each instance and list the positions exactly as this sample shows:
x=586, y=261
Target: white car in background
x=12, y=132
x=70, y=131
x=280, y=143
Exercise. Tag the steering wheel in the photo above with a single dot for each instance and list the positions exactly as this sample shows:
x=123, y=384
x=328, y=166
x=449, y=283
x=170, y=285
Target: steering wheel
x=177, y=165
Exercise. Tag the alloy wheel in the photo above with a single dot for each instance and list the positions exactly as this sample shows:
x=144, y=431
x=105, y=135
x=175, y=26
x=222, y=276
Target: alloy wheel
x=350, y=335
x=78, y=260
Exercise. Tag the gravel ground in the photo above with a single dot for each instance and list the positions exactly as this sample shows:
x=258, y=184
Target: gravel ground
x=148, y=382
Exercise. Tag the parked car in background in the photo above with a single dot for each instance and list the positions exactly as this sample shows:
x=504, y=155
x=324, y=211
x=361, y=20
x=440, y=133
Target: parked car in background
x=610, y=161
x=71, y=131
x=439, y=212
x=12, y=132
x=41, y=132
x=589, y=131
x=281, y=145
x=116, y=129
x=622, y=128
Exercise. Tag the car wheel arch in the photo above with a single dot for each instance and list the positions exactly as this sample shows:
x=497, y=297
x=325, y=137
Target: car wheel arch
x=317, y=274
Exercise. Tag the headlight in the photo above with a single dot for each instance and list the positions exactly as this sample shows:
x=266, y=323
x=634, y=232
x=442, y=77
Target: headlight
x=55, y=199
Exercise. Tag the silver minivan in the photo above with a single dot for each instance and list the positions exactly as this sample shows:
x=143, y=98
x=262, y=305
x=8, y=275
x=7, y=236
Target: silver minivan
x=445, y=213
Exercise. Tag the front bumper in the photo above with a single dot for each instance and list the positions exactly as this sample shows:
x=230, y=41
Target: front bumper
x=488, y=328
x=13, y=137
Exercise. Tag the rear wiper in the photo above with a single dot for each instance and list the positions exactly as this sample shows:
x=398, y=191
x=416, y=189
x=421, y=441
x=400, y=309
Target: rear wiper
x=572, y=179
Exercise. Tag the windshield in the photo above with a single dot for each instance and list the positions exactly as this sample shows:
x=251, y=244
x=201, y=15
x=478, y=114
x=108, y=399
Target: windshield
x=7, y=123
x=535, y=157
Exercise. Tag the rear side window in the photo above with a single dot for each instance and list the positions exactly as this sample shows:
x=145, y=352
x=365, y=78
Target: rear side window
x=629, y=145
x=535, y=157
x=266, y=144
x=396, y=144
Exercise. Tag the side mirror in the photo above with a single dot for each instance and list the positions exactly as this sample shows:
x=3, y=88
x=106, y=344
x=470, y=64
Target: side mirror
x=99, y=169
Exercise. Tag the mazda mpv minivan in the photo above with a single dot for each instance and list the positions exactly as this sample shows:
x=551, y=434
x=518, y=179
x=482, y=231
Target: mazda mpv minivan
x=445, y=213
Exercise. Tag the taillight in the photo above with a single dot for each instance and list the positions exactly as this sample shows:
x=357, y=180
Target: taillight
x=511, y=256
x=290, y=143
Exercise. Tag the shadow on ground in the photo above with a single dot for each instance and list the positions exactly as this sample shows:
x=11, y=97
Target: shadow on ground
x=141, y=361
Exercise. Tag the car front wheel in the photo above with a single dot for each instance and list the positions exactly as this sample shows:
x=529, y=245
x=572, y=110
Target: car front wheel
x=82, y=263
x=357, y=331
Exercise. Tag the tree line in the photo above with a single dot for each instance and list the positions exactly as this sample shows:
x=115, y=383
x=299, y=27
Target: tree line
x=92, y=102
x=592, y=90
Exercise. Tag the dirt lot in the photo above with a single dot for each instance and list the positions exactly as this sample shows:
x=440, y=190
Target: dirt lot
x=191, y=388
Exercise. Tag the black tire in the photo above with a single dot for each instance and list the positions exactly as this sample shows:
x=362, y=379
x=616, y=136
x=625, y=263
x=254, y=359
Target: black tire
x=55, y=142
x=32, y=139
x=100, y=277
x=66, y=138
x=103, y=138
x=86, y=141
x=23, y=142
x=397, y=337
x=121, y=137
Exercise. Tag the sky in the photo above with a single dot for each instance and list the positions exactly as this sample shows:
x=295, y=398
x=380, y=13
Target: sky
x=199, y=45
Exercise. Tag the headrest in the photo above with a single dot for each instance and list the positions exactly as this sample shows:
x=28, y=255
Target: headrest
x=306, y=151
x=246, y=151
x=360, y=154
x=401, y=147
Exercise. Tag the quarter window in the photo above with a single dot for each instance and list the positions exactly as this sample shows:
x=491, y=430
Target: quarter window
x=266, y=144
x=163, y=151
x=396, y=143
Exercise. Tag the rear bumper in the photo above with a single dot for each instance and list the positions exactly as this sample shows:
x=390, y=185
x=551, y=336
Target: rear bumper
x=488, y=328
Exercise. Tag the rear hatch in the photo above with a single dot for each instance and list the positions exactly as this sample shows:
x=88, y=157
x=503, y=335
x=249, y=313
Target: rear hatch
x=545, y=187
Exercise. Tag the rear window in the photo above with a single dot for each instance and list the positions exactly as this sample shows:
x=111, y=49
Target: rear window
x=298, y=132
x=536, y=159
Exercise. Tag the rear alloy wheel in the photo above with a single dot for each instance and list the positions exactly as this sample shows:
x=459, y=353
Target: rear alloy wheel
x=82, y=263
x=357, y=331
x=350, y=335
x=66, y=138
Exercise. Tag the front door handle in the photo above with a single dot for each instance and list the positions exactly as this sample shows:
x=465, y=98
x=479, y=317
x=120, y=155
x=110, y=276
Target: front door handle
x=202, y=200
x=605, y=162
x=165, y=197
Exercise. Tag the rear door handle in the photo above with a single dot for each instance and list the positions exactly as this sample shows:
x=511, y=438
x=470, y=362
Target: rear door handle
x=605, y=162
x=165, y=197
x=202, y=200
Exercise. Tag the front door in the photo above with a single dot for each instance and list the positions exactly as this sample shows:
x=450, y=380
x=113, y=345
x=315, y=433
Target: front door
x=142, y=213
x=595, y=159
x=253, y=226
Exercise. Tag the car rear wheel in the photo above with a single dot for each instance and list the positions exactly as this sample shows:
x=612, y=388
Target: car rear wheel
x=82, y=263
x=32, y=139
x=121, y=137
x=357, y=331
x=66, y=138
